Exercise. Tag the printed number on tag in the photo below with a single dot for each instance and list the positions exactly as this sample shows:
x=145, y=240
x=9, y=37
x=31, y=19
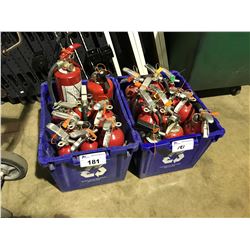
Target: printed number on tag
x=182, y=145
x=90, y=160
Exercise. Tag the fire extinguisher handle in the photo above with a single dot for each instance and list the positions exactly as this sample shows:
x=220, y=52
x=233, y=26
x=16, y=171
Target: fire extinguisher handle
x=73, y=47
x=66, y=53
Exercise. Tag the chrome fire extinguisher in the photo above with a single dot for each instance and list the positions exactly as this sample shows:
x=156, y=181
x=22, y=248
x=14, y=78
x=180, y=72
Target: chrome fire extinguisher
x=67, y=75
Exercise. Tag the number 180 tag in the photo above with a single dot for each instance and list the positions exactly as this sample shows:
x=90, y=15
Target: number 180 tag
x=182, y=145
x=90, y=160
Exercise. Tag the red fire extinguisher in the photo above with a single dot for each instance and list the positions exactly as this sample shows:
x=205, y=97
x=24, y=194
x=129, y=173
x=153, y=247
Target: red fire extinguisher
x=99, y=85
x=149, y=117
x=175, y=132
x=67, y=76
x=89, y=145
x=186, y=112
x=193, y=126
x=64, y=150
x=111, y=136
x=132, y=90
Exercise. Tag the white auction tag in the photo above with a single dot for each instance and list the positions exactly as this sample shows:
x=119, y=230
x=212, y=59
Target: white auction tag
x=90, y=160
x=182, y=145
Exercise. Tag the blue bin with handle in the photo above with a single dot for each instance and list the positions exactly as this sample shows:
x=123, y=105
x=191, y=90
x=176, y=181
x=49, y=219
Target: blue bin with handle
x=66, y=170
x=164, y=156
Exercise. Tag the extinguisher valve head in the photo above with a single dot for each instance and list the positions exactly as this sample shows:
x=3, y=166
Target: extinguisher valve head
x=69, y=66
x=196, y=117
x=60, y=64
x=107, y=125
x=207, y=116
x=97, y=106
x=174, y=118
x=78, y=143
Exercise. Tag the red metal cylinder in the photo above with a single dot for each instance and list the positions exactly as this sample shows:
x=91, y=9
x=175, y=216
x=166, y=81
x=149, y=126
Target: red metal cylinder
x=89, y=146
x=97, y=90
x=117, y=138
x=192, y=127
x=164, y=119
x=175, y=101
x=131, y=91
x=68, y=84
x=108, y=114
x=150, y=118
x=64, y=150
x=175, y=132
x=186, y=112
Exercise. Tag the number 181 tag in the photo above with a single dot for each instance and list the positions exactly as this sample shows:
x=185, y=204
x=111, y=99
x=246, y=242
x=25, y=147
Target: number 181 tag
x=182, y=145
x=90, y=160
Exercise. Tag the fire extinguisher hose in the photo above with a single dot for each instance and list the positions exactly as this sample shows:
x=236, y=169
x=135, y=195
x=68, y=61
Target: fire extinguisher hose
x=50, y=74
x=84, y=112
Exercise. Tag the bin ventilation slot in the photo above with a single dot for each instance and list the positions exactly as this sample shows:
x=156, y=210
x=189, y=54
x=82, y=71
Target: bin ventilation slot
x=30, y=75
x=21, y=78
x=74, y=35
x=41, y=36
x=31, y=37
x=51, y=35
x=11, y=78
x=6, y=39
x=5, y=84
x=39, y=75
x=86, y=34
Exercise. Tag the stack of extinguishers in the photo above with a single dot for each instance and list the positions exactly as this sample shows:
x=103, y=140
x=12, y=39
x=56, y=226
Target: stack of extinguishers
x=82, y=119
x=162, y=110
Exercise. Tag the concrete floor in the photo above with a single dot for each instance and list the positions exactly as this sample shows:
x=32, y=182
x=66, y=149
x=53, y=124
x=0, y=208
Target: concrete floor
x=218, y=186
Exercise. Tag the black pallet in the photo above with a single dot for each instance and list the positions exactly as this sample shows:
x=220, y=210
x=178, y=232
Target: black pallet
x=25, y=67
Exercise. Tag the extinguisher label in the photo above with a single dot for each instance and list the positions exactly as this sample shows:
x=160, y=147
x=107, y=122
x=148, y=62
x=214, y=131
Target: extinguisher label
x=182, y=145
x=72, y=93
x=90, y=160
